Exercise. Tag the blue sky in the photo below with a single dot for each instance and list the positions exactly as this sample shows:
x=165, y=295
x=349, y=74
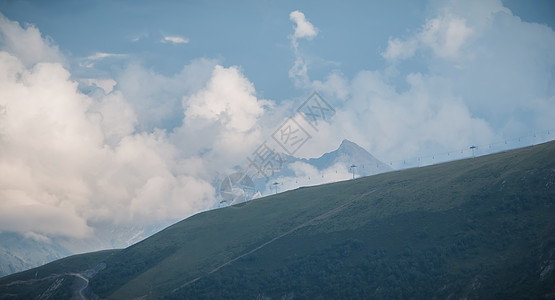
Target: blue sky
x=106, y=107
x=253, y=35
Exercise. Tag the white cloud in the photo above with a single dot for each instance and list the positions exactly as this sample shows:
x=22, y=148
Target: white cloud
x=228, y=99
x=397, y=49
x=42, y=147
x=139, y=37
x=511, y=67
x=335, y=86
x=156, y=98
x=175, y=40
x=107, y=85
x=488, y=75
x=21, y=213
x=91, y=60
x=28, y=42
x=76, y=160
x=224, y=120
x=303, y=28
x=103, y=55
x=80, y=162
x=395, y=125
x=299, y=71
x=445, y=36
x=116, y=117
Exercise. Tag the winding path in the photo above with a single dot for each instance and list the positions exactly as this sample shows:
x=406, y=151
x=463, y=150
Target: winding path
x=84, y=285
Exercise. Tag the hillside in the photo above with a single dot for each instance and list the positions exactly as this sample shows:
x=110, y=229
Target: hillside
x=476, y=228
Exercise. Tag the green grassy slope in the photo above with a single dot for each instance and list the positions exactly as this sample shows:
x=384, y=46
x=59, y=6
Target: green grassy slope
x=477, y=228
x=31, y=284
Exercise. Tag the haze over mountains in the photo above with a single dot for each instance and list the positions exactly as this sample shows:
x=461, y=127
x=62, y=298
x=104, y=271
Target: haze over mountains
x=479, y=228
x=19, y=253
x=119, y=119
x=347, y=154
x=330, y=167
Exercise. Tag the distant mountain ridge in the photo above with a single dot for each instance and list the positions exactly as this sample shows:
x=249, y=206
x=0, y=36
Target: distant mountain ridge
x=349, y=153
x=479, y=228
x=19, y=253
x=346, y=155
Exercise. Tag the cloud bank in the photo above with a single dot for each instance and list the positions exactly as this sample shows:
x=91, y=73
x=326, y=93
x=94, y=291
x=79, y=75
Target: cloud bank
x=28, y=43
x=75, y=160
x=487, y=76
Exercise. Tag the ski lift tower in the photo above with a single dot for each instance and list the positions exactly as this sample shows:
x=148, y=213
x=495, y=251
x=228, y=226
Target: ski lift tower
x=276, y=185
x=353, y=170
x=472, y=148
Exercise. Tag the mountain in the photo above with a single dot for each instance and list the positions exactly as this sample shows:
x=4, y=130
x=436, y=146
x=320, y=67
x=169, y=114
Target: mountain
x=18, y=252
x=21, y=253
x=348, y=154
x=480, y=228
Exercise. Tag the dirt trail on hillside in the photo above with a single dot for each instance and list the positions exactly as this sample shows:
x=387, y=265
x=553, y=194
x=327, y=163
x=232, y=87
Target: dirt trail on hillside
x=83, y=286
x=305, y=224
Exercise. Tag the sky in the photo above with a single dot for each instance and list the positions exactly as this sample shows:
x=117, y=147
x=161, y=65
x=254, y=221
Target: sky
x=126, y=112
